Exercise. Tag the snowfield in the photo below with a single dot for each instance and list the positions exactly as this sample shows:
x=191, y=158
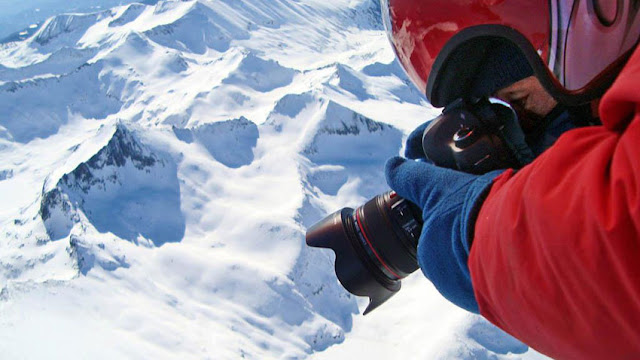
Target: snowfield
x=160, y=163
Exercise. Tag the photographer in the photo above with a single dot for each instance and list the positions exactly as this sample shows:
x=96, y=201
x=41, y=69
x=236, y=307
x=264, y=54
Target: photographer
x=550, y=253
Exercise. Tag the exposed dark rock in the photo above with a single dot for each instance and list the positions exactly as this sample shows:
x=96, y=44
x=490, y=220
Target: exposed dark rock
x=50, y=200
x=124, y=189
x=121, y=148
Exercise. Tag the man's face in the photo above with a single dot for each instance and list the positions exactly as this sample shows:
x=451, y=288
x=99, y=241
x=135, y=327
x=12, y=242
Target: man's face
x=529, y=99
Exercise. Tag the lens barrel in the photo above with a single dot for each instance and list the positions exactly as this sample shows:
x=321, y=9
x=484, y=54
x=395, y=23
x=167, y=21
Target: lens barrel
x=375, y=245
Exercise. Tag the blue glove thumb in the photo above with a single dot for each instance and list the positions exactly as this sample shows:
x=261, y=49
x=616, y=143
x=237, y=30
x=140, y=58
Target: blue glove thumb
x=413, y=148
x=450, y=201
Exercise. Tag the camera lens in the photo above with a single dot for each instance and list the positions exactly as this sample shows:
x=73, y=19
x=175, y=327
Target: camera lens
x=375, y=245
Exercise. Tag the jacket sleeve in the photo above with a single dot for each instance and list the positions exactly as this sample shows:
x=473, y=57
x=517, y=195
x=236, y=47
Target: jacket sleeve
x=555, y=259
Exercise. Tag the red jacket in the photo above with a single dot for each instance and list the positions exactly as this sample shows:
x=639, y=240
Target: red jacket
x=556, y=253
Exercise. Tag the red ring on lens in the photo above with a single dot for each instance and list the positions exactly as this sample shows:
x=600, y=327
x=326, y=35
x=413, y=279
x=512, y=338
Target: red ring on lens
x=366, y=238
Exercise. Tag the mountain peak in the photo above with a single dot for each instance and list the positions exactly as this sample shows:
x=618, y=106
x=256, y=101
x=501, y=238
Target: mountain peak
x=66, y=29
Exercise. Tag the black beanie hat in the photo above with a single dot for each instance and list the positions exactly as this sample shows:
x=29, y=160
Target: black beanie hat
x=503, y=66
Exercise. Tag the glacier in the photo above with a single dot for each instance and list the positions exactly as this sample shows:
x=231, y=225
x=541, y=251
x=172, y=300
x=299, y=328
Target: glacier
x=160, y=162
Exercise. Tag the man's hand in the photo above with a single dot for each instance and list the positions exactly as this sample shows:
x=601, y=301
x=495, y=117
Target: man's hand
x=450, y=201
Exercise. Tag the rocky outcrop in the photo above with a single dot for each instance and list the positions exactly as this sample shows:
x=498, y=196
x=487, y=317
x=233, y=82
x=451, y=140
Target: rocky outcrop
x=125, y=189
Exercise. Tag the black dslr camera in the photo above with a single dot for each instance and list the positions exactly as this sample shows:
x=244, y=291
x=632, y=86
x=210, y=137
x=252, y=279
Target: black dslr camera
x=376, y=244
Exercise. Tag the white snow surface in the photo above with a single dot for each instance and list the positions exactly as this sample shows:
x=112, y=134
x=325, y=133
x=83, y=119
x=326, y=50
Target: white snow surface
x=160, y=163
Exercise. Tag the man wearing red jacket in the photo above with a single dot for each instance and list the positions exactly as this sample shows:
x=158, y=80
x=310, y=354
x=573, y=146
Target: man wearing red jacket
x=549, y=253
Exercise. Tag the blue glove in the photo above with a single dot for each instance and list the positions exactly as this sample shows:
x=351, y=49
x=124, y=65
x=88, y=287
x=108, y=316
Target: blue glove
x=450, y=201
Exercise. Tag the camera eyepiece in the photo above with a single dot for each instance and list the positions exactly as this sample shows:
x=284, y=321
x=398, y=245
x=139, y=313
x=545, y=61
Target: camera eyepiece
x=375, y=245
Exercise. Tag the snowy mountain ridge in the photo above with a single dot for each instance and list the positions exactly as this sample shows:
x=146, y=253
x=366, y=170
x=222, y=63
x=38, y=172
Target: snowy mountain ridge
x=160, y=163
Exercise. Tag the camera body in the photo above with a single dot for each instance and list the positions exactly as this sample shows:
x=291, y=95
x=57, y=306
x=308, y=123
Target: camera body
x=376, y=243
x=476, y=137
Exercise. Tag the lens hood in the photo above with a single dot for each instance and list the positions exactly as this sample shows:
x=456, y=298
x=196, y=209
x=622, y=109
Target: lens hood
x=353, y=267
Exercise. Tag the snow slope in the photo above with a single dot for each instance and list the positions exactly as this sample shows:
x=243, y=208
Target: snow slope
x=160, y=163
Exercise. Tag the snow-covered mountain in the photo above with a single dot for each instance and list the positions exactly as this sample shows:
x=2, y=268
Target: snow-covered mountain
x=160, y=163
